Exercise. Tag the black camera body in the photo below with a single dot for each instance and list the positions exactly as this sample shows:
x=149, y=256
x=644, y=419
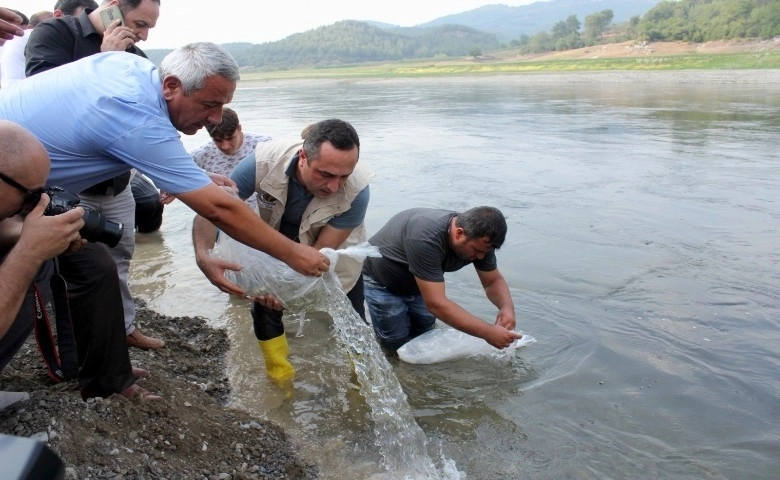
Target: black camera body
x=97, y=228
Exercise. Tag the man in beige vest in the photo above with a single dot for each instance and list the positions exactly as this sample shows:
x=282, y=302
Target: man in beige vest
x=314, y=193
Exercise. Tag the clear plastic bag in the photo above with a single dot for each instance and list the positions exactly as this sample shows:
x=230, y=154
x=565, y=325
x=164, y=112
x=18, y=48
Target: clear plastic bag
x=262, y=274
x=445, y=344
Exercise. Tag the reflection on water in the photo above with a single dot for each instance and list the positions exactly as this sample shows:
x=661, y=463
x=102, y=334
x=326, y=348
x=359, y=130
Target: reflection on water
x=641, y=255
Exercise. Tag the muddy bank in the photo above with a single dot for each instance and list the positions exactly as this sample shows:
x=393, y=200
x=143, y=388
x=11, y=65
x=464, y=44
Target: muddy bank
x=193, y=433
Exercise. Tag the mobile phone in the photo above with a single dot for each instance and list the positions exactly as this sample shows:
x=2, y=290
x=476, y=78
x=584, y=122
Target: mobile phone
x=110, y=14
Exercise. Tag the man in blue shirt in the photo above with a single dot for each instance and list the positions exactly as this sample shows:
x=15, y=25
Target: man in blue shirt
x=70, y=38
x=105, y=114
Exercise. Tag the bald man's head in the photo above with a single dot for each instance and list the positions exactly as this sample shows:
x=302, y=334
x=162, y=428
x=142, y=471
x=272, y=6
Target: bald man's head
x=23, y=160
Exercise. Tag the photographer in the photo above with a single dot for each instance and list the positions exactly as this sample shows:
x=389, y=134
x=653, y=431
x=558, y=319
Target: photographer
x=27, y=244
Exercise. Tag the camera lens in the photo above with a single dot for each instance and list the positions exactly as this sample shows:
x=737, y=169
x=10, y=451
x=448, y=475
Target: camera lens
x=98, y=228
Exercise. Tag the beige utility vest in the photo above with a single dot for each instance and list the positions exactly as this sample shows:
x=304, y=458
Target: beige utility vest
x=271, y=183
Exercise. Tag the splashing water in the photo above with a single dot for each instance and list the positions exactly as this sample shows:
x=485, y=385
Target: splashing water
x=401, y=442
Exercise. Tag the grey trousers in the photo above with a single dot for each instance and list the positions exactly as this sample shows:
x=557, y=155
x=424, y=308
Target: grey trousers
x=120, y=208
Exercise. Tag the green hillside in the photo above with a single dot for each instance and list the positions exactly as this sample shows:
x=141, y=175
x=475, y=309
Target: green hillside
x=350, y=43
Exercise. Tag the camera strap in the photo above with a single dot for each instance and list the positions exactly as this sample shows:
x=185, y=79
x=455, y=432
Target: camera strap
x=60, y=357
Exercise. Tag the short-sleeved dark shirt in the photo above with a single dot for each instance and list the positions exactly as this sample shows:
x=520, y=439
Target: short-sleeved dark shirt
x=415, y=243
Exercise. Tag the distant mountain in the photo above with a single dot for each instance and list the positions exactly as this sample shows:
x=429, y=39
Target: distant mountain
x=509, y=23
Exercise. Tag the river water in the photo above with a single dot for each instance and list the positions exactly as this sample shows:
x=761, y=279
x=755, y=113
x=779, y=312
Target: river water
x=641, y=254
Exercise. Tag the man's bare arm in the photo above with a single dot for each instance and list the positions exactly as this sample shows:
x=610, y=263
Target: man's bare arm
x=10, y=230
x=16, y=274
x=235, y=218
x=204, y=235
x=457, y=317
x=497, y=291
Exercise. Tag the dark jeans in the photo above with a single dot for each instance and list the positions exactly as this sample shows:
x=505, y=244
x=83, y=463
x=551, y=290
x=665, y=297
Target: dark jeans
x=396, y=319
x=98, y=320
x=268, y=322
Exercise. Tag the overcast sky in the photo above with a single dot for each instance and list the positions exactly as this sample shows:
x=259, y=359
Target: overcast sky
x=184, y=21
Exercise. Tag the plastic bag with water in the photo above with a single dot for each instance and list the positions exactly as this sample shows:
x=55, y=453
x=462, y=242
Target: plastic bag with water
x=401, y=441
x=262, y=274
x=445, y=344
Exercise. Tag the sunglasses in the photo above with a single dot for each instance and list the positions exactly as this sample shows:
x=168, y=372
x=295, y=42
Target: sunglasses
x=31, y=197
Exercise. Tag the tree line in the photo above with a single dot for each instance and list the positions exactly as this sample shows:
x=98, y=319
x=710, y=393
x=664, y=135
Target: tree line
x=683, y=20
x=352, y=42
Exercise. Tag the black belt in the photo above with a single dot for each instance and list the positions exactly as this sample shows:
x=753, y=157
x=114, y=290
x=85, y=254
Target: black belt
x=112, y=186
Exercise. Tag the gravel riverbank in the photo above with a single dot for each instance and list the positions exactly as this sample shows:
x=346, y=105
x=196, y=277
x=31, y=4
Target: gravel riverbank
x=193, y=433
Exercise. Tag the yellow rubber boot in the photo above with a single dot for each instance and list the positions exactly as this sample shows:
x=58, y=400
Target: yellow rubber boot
x=275, y=352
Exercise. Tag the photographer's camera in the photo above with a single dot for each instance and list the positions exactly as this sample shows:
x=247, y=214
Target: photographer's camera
x=97, y=228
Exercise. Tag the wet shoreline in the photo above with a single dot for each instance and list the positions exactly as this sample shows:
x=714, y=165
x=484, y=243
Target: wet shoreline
x=712, y=77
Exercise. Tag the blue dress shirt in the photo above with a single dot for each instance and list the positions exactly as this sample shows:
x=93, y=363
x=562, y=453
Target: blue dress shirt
x=99, y=117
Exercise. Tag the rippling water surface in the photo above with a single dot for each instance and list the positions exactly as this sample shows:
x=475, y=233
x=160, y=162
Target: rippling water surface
x=641, y=253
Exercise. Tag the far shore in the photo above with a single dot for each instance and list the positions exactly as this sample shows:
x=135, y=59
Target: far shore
x=747, y=61
x=727, y=76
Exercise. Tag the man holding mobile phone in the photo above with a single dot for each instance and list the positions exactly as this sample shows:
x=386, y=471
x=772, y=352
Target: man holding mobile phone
x=67, y=39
